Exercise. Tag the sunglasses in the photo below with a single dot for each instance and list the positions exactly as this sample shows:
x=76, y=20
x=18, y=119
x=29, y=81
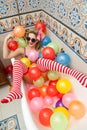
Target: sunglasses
x=32, y=39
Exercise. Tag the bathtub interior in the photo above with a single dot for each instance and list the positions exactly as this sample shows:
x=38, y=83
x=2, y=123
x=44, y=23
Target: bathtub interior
x=31, y=119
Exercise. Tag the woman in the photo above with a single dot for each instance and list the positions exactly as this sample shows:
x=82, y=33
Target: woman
x=19, y=68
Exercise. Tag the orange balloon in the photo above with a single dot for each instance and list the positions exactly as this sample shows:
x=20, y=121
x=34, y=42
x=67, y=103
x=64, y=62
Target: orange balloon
x=19, y=31
x=27, y=78
x=33, y=65
x=10, y=88
x=43, y=90
x=77, y=109
x=44, y=75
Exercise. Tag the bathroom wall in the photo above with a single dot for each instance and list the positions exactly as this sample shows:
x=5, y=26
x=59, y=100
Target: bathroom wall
x=66, y=19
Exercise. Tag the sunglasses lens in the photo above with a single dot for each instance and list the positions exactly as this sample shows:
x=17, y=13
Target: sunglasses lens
x=33, y=40
x=28, y=38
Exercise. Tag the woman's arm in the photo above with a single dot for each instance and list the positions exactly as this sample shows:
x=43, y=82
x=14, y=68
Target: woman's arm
x=7, y=54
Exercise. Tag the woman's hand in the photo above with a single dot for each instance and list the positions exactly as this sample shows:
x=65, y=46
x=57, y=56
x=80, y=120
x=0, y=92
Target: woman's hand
x=8, y=37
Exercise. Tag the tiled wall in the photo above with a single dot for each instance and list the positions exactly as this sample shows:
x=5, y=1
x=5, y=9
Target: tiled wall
x=67, y=19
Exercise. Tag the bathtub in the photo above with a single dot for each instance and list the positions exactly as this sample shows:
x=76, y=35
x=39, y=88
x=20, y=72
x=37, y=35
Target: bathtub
x=31, y=121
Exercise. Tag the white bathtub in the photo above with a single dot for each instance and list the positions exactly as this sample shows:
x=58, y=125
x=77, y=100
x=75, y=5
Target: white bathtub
x=31, y=121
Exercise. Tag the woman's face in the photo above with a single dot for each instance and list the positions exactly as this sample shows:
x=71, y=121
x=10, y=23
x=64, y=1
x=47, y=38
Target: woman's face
x=31, y=39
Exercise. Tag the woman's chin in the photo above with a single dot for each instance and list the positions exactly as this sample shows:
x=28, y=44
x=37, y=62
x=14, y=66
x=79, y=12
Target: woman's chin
x=31, y=45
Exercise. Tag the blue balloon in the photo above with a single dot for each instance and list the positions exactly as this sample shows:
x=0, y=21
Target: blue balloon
x=40, y=55
x=46, y=40
x=63, y=58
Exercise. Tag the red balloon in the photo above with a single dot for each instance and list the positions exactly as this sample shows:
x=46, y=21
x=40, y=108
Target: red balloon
x=48, y=53
x=40, y=25
x=9, y=69
x=34, y=92
x=52, y=82
x=59, y=95
x=44, y=116
x=12, y=45
x=52, y=91
x=34, y=73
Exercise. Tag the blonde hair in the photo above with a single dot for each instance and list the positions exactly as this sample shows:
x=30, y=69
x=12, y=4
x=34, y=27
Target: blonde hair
x=33, y=30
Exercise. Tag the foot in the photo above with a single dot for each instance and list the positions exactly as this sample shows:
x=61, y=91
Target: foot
x=12, y=96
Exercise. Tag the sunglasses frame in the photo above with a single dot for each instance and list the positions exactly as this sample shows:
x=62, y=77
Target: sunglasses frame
x=32, y=39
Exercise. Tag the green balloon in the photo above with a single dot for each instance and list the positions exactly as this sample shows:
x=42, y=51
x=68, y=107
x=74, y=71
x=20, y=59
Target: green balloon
x=22, y=42
x=54, y=46
x=58, y=121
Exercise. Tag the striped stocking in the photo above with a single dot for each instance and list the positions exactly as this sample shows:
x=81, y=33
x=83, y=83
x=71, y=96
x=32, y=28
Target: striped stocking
x=18, y=70
x=52, y=65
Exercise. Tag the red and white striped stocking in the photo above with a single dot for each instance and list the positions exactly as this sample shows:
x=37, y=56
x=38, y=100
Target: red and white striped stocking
x=52, y=65
x=19, y=69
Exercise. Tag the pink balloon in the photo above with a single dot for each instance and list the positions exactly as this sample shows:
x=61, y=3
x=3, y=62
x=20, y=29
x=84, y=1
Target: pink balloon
x=48, y=100
x=33, y=55
x=36, y=104
x=67, y=99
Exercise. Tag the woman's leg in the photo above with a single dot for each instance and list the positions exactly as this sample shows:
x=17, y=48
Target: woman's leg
x=52, y=65
x=19, y=69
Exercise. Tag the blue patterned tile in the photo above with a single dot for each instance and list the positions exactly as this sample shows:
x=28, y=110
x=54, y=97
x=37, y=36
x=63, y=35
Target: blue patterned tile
x=8, y=24
x=8, y=8
x=70, y=12
x=28, y=5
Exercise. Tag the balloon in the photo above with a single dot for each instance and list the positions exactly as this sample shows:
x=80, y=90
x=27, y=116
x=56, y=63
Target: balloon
x=43, y=90
x=33, y=55
x=59, y=103
x=53, y=75
x=33, y=65
x=77, y=109
x=26, y=61
x=52, y=91
x=9, y=69
x=40, y=55
x=34, y=92
x=22, y=42
x=52, y=82
x=19, y=31
x=58, y=121
x=12, y=45
x=39, y=82
x=59, y=95
x=68, y=98
x=63, y=110
x=27, y=78
x=10, y=88
x=54, y=46
x=36, y=104
x=63, y=58
x=63, y=85
x=48, y=53
x=48, y=101
x=44, y=116
x=46, y=40
x=34, y=73
x=40, y=26
x=44, y=75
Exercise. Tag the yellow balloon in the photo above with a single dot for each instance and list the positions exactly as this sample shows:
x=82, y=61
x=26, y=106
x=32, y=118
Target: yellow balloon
x=53, y=75
x=63, y=110
x=26, y=61
x=39, y=82
x=63, y=85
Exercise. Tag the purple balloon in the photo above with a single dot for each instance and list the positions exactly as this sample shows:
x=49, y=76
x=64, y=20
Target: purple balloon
x=59, y=103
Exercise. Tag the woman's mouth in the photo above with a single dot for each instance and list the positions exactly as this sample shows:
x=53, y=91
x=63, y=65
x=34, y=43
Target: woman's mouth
x=31, y=44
